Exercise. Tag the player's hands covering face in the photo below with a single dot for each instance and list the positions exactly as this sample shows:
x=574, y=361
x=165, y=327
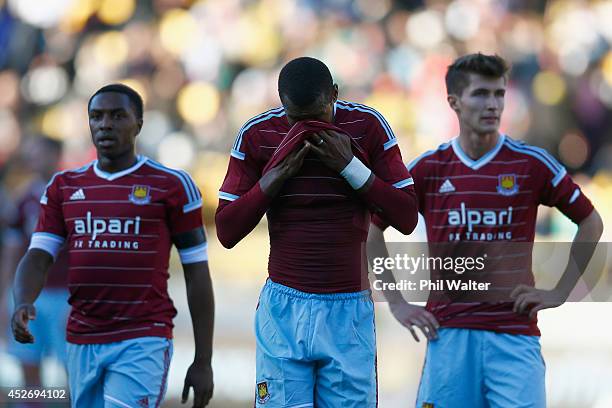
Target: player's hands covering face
x=19, y=323
x=332, y=148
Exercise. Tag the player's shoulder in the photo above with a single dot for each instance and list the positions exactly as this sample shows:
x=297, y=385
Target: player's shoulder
x=270, y=120
x=439, y=155
x=64, y=177
x=537, y=157
x=348, y=112
x=179, y=179
x=70, y=173
x=157, y=171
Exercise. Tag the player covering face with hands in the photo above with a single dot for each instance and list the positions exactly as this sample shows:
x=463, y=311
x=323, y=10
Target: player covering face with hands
x=119, y=217
x=316, y=167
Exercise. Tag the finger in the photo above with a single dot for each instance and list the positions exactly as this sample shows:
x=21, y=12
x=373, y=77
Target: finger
x=324, y=135
x=316, y=149
x=432, y=319
x=427, y=330
x=21, y=332
x=413, y=332
x=524, y=303
x=304, y=150
x=209, y=396
x=431, y=326
x=198, y=399
x=185, y=394
x=518, y=302
x=315, y=139
x=535, y=310
x=518, y=290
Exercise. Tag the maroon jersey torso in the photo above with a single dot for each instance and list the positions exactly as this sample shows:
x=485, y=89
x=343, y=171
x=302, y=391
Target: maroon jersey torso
x=317, y=223
x=492, y=200
x=118, y=229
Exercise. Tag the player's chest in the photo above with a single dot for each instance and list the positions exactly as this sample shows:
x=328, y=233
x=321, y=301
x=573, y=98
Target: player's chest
x=113, y=200
x=447, y=187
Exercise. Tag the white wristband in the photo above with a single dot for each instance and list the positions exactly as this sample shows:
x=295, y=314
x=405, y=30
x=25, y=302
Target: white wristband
x=356, y=173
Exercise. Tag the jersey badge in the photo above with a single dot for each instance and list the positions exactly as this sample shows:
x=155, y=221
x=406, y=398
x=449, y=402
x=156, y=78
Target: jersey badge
x=506, y=184
x=140, y=195
x=262, y=392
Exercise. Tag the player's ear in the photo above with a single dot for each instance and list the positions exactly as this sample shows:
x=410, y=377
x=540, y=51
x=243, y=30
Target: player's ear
x=335, y=93
x=453, y=102
x=139, y=124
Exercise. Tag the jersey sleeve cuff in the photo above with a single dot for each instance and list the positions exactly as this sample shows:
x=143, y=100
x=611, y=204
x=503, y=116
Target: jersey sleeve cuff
x=48, y=242
x=194, y=254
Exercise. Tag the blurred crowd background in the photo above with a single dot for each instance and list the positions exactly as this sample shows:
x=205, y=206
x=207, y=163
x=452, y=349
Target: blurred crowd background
x=205, y=67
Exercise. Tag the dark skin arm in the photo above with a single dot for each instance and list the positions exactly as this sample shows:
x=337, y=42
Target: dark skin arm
x=202, y=308
x=30, y=279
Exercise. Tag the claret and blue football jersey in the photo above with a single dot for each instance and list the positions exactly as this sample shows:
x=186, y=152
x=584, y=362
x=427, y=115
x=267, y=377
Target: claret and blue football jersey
x=118, y=228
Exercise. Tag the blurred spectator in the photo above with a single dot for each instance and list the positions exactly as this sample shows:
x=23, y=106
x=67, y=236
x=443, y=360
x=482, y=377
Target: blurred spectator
x=42, y=156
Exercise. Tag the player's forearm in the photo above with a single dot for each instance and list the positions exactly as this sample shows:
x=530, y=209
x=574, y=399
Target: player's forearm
x=201, y=302
x=398, y=206
x=582, y=249
x=236, y=219
x=31, y=276
x=376, y=248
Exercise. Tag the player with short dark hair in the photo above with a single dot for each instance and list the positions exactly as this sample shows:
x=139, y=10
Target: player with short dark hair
x=484, y=187
x=119, y=217
x=316, y=166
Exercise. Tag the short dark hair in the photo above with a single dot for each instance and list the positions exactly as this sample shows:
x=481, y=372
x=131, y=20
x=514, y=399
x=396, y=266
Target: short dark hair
x=304, y=80
x=134, y=97
x=457, y=75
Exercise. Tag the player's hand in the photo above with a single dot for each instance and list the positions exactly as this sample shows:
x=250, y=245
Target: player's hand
x=273, y=180
x=412, y=315
x=200, y=377
x=294, y=161
x=332, y=148
x=19, y=323
x=529, y=299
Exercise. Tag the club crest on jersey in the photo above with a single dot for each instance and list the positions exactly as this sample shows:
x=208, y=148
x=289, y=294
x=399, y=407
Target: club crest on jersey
x=140, y=195
x=262, y=392
x=506, y=184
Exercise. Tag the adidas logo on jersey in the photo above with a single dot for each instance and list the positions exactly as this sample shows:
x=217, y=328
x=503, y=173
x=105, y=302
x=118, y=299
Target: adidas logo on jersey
x=78, y=195
x=446, y=187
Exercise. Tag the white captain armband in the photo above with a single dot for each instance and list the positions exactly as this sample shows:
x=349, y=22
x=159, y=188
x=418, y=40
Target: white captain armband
x=50, y=243
x=356, y=173
x=194, y=254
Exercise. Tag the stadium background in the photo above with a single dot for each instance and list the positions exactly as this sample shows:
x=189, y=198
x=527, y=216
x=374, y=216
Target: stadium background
x=205, y=67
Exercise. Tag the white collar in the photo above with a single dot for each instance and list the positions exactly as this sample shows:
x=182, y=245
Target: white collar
x=140, y=160
x=487, y=157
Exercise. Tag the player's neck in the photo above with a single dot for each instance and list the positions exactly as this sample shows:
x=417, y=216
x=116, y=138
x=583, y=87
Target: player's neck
x=476, y=145
x=115, y=164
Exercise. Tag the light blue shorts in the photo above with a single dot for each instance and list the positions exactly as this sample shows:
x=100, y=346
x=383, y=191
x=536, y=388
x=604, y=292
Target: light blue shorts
x=48, y=329
x=130, y=373
x=482, y=369
x=315, y=349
